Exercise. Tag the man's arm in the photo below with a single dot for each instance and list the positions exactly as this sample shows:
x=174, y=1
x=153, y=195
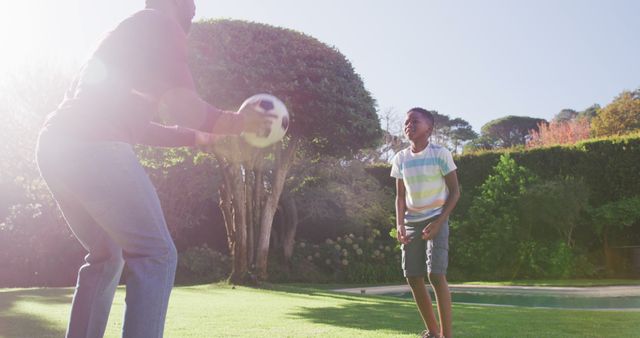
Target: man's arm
x=160, y=135
x=451, y=180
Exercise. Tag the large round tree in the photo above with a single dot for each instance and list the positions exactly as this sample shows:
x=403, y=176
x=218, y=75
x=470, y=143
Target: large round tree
x=331, y=114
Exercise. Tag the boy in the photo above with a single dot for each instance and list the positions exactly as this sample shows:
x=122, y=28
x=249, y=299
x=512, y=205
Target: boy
x=427, y=191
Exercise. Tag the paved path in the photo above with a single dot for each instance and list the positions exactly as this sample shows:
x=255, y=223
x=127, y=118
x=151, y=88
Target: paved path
x=596, y=291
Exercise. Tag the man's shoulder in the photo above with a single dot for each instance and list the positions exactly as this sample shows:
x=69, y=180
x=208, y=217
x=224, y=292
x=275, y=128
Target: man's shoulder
x=151, y=19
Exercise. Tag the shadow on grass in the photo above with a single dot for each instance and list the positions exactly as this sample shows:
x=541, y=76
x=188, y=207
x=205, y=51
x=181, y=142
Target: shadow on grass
x=371, y=313
x=14, y=323
x=370, y=316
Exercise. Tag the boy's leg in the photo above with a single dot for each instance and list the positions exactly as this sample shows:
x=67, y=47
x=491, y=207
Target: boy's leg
x=443, y=299
x=423, y=301
x=437, y=263
x=414, y=267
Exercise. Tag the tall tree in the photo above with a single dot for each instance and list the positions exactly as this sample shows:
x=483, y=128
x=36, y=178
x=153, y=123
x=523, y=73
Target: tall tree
x=590, y=112
x=331, y=114
x=461, y=132
x=451, y=132
x=441, y=129
x=565, y=115
x=511, y=130
x=620, y=116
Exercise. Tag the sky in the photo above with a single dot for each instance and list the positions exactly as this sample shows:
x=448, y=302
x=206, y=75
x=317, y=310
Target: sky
x=478, y=60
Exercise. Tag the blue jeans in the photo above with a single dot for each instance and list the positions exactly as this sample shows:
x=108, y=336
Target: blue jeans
x=113, y=209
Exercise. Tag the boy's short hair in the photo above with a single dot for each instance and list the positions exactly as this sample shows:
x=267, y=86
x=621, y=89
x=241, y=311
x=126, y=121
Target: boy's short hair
x=425, y=113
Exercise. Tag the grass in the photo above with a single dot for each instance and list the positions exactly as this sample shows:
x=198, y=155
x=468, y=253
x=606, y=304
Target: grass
x=561, y=282
x=548, y=282
x=286, y=311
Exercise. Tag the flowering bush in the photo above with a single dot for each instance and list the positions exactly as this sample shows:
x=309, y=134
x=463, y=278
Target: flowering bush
x=353, y=259
x=559, y=132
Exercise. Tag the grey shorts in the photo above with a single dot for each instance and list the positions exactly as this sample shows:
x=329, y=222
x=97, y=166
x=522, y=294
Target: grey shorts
x=420, y=257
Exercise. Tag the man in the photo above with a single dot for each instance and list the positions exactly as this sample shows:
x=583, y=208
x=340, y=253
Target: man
x=137, y=74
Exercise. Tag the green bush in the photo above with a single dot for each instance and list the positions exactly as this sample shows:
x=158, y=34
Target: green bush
x=38, y=249
x=486, y=243
x=520, y=226
x=544, y=260
x=555, y=209
x=202, y=265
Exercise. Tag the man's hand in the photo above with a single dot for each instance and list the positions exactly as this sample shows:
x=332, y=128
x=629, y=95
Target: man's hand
x=402, y=234
x=432, y=229
x=256, y=122
x=206, y=139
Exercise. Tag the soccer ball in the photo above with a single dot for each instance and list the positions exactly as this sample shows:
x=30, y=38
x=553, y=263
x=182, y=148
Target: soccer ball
x=265, y=103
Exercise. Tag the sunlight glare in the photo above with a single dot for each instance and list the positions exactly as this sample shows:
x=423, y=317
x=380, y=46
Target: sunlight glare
x=36, y=30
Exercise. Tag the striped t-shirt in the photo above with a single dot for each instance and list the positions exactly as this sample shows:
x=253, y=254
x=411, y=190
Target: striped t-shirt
x=423, y=176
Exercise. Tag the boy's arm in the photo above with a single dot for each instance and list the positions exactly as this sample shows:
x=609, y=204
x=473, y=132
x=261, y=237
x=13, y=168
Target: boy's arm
x=400, y=210
x=451, y=180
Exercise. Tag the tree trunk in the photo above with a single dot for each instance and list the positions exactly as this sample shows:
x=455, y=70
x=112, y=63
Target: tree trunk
x=289, y=225
x=284, y=158
x=258, y=195
x=240, y=272
x=252, y=204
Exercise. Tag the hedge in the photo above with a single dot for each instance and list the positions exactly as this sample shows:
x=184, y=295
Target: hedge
x=609, y=166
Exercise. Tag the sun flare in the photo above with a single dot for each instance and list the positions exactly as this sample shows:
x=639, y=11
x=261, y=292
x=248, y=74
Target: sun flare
x=37, y=30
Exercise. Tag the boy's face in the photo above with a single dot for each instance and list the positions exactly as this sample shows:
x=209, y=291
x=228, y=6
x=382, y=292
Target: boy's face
x=417, y=127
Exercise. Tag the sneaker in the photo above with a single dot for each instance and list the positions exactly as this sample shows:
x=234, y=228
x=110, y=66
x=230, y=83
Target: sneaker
x=428, y=334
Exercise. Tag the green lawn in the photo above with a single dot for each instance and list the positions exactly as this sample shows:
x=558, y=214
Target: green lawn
x=285, y=311
x=561, y=282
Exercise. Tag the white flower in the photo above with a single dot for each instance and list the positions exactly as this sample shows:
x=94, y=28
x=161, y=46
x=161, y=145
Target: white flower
x=348, y=240
x=329, y=241
x=376, y=252
x=327, y=261
x=370, y=240
x=338, y=247
x=302, y=244
x=356, y=246
x=359, y=251
x=352, y=235
x=345, y=262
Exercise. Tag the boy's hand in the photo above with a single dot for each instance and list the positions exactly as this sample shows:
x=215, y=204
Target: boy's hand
x=432, y=229
x=402, y=234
